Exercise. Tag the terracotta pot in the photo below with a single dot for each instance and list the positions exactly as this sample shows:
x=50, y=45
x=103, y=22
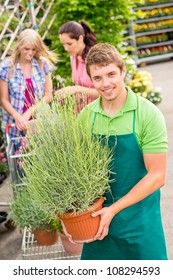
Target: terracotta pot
x=45, y=237
x=82, y=226
x=69, y=247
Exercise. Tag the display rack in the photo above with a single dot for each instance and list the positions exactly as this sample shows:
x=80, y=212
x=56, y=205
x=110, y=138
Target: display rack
x=152, y=32
x=32, y=251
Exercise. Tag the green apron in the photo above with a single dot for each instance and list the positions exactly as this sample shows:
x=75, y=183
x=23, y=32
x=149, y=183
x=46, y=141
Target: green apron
x=135, y=233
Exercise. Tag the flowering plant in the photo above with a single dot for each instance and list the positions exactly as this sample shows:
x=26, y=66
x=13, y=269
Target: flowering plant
x=3, y=163
x=141, y=83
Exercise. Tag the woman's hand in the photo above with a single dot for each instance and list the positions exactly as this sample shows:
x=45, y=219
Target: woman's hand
x=27, y=115
x=70, y=90
x=20, y=122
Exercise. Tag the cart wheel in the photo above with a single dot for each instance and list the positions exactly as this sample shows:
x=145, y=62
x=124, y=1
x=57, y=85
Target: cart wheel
x=3, y=216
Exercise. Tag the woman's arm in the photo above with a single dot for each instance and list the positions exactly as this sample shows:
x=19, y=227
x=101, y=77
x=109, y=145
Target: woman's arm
x=20, y=121
x=70, y=90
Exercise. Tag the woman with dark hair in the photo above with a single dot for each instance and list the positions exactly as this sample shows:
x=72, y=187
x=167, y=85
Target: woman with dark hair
x=77, y=39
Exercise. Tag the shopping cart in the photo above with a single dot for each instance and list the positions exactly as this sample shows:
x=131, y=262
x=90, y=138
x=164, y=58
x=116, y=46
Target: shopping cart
x=32, y=251
x=14, y=157
x=13, y=160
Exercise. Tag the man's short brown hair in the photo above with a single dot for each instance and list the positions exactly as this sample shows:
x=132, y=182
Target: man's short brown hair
x=103, y=54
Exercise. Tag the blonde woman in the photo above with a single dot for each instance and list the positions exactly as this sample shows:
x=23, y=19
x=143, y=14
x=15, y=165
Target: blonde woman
x=25, y=79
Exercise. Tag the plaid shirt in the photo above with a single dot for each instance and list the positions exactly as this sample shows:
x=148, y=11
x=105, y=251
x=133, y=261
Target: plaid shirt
x=14, y=76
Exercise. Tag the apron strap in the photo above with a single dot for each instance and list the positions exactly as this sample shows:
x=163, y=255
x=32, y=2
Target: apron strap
x=134, y=120
x=93, y=121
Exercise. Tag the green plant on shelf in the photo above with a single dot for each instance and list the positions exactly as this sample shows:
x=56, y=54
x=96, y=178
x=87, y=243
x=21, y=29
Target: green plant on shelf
x=141, y=83
x=150, y=2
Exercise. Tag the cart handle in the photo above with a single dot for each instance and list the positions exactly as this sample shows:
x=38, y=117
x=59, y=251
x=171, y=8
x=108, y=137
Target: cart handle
x=8, y=126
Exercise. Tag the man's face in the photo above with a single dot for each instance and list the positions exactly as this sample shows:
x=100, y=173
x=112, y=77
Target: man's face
x=108, y=80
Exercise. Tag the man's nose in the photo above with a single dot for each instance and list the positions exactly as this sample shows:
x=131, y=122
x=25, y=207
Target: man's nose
x=105, y=82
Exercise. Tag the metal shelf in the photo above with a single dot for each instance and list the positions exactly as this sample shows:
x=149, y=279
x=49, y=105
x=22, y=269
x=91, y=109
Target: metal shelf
x=152, y=32
x=153, y=19
x=151, y=45
x=151, y=7
x=153, y=58
x=32, y=251
x=135, y=35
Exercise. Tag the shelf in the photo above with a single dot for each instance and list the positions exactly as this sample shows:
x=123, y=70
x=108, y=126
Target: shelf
x=152, y=32
x=158, y=44
x=153, y=19
x=151, y=7
x=161, y=37
x=32, y=251
x=154, y=58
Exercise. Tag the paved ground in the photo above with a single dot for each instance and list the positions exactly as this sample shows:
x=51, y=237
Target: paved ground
x=11, y=241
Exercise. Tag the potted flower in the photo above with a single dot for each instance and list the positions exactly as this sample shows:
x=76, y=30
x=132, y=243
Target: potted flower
x=69, y=170
x=25, y=212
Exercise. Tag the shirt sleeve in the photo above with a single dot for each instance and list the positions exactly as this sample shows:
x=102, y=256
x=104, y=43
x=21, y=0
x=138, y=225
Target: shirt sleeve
x=47, y=67
x=154, y=133
x=4, y=72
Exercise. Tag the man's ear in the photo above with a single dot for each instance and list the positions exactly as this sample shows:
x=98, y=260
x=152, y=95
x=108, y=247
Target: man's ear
x=124, y=72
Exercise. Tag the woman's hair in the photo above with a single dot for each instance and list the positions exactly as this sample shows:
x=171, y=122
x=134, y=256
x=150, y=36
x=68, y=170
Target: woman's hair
x=103, y=54
x=75, y=29
x=31, y=36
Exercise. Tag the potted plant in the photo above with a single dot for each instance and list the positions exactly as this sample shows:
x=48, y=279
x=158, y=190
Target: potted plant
x=25, y=212
x=69, y=170
x=69, y=247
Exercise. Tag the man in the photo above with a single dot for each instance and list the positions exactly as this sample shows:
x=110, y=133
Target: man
x=130, y=226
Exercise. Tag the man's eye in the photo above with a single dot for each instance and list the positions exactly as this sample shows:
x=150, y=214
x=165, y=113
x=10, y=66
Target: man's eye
x=111, y=74
x=97, y=78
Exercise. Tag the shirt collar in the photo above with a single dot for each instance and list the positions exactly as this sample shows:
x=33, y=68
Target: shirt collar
x=34, y=62
x=129, y=105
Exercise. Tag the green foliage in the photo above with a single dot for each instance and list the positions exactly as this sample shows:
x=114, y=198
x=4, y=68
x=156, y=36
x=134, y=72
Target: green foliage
x=68, y=170
x=108, y=19
x=3, y=167
x=25, y=212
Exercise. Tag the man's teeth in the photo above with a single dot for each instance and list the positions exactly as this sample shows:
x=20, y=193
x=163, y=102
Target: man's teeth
x=108, y=90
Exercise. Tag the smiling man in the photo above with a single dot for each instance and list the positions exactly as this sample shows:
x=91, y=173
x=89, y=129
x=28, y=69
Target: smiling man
x=130, y=224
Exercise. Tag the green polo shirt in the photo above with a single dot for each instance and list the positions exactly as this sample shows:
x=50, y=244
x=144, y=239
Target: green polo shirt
x=148, y=123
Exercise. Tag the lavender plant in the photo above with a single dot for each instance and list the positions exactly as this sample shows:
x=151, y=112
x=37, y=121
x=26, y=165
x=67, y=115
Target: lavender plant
x=68, y=170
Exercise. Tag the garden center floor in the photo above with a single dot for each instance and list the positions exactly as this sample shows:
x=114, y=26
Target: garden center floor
x=162, y=74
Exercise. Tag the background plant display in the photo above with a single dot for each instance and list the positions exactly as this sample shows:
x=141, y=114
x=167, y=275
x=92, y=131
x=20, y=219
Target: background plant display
x=141, y=83
x=112, y=30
